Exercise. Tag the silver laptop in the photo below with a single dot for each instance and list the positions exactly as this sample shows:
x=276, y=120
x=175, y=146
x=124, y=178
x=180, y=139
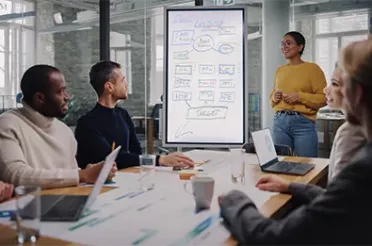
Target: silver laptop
x=70, y=207
x=268, y=158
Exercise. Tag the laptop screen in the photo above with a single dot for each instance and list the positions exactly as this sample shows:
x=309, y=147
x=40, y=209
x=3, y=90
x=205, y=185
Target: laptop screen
x=109, y=162
x=264, y=146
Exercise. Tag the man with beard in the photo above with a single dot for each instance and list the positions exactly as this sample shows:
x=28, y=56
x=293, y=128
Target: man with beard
x=108, y=125
x=342, y=213
x=35, y=147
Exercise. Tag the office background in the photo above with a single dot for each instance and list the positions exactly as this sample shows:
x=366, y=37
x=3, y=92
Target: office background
x=74, y=34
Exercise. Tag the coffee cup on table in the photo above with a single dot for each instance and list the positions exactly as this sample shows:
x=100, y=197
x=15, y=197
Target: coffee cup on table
x=202, y=190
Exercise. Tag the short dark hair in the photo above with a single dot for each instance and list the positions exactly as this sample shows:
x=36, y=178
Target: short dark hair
x=36, y=79
x=299, y=38
x=100, y=73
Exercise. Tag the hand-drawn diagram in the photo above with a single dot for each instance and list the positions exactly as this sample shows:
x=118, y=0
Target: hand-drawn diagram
x=181, y=83
x=181, y=130
x=226, y=69
x=227, y=83
x=207, y=113
x=207, y=87
x=206, y=69
x=227, y=97
x=207, y=83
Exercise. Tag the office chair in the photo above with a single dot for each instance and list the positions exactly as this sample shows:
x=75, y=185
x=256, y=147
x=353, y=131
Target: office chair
x=280, y=149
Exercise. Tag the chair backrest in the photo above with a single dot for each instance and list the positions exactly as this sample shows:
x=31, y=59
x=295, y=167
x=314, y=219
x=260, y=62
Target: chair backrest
x=156, y=115
x=283, y=150
x=280, y=149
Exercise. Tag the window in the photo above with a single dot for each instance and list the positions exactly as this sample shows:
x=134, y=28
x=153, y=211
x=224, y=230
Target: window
x=121, y=53
x=17, y=47
x=335, y=32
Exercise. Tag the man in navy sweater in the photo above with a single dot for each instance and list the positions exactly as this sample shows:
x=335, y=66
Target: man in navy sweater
x=107, y=123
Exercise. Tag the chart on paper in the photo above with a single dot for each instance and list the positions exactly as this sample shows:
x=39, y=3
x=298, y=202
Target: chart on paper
x=205, y=92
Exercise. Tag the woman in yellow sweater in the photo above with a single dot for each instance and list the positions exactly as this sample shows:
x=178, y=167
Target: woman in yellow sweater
x=296, y=98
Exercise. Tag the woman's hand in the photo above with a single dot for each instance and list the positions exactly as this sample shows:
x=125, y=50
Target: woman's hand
x=291, y=98
x=273, y=183
x=277, y=96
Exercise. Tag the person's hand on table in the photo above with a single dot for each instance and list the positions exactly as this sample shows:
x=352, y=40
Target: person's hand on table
x=176, y=160
x=273, y=183
x=90, y=173
x=277, y=96
x=291, y=98
x=6, y=191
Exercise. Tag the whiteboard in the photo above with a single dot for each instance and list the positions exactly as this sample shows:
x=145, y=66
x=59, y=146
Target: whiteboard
x=205, y=96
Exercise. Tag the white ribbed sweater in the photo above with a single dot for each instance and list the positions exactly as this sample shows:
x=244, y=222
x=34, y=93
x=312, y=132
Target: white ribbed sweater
x=35, y=149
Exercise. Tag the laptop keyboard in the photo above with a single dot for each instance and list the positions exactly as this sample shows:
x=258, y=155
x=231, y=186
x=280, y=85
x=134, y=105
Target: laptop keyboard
x=66, y=208
x=286, y=166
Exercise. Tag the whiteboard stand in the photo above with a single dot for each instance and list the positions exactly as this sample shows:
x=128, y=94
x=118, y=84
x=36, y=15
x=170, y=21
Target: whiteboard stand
x=205, y=77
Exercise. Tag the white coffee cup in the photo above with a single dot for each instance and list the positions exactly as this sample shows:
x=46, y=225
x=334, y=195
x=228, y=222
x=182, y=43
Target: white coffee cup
x=202, y=189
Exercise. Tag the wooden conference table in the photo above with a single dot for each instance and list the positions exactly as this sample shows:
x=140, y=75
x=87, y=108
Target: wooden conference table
x=274, y=207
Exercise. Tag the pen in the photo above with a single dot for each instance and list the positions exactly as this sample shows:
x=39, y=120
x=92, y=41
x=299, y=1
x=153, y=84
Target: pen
x=113, y=146
x=202, y=162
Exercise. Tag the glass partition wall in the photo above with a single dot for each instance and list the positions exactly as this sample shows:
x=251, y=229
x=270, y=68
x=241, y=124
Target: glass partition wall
x=65, y=33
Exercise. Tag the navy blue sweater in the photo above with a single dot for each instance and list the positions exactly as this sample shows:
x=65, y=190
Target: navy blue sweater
x=98, y=129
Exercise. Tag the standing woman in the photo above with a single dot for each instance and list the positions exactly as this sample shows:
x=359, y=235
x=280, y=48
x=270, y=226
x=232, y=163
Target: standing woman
x=296, y=98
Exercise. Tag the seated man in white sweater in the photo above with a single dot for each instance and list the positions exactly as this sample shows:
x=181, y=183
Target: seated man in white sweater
x=35, y=147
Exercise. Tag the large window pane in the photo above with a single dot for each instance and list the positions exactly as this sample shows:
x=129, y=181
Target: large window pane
x=68, y=38
x=349, y=39
x=326, y=55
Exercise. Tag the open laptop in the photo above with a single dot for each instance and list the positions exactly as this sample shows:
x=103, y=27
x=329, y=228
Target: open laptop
x=268, y=158
x=70, y=207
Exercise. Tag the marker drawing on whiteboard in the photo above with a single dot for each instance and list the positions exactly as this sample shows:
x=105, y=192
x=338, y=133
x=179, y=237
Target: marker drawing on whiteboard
x=207, y=112
x=206, y=69
x=182, y=37
x=228, y=69
x=181, y=130
x=203, y=43
x=227, y=97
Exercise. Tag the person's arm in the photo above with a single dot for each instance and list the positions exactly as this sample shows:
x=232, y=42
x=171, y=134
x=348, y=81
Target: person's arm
x=328, y=217
x=15, y=170
x=305, y=193
x=317, y=99
x=91, y=141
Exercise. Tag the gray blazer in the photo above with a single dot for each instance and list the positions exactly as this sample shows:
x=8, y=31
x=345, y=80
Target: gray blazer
x=340, y=215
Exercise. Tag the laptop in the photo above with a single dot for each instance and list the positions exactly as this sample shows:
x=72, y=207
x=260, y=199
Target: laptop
x=70, y=207
x=268, y=158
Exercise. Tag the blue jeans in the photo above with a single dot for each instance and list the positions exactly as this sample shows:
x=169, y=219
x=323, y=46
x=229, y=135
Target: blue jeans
x=297, y=132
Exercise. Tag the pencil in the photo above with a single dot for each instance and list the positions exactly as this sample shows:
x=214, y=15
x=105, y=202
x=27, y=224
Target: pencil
x=110, y=181
x=202, y=162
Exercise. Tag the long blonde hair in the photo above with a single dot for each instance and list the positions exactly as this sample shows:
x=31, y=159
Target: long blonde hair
x=356, y=62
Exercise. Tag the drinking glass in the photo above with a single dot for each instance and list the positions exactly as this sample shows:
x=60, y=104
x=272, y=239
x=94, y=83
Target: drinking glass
x=237, y=164
x=27, y=217
x=147, y=165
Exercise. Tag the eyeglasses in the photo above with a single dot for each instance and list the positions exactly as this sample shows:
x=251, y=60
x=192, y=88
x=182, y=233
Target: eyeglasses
x=285, y=44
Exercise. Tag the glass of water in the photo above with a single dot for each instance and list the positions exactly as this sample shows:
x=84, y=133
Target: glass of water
x=237, y=163
x=28, y=213
x=147, y=163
